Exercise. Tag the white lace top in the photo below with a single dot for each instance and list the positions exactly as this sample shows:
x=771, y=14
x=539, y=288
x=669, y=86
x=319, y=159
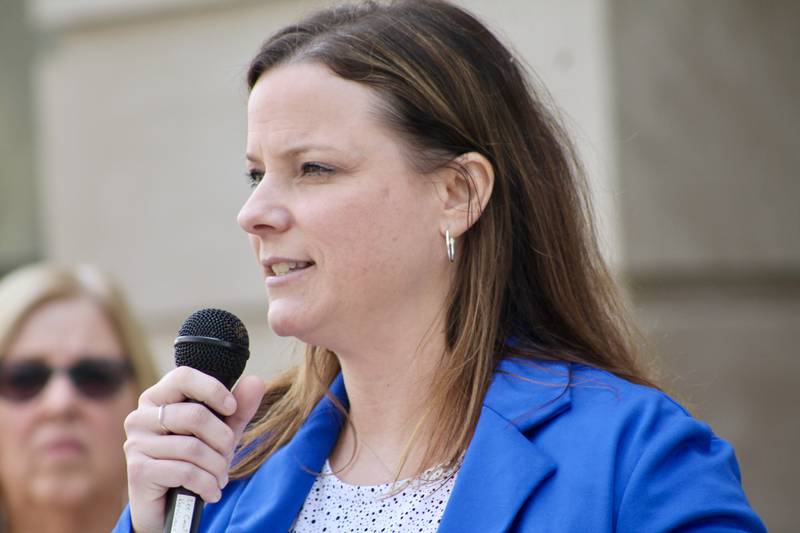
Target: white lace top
x=333, y=506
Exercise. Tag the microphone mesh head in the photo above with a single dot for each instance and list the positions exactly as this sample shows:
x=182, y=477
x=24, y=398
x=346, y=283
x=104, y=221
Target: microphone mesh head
x=223, y=363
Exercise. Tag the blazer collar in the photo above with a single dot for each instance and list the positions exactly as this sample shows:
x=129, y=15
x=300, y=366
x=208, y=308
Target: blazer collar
x=502, y=466
x=529, y=393
x=279, y=487
x=501, y=460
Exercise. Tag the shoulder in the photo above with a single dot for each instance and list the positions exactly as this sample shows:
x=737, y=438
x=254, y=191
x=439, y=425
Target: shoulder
x=557, y=401
x=582, y=394
x=631, y=443
x=600, y=395
x=588, y=417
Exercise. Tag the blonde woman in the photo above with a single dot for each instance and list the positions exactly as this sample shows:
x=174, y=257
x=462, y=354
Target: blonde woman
x=72, y=364
x=420, y=223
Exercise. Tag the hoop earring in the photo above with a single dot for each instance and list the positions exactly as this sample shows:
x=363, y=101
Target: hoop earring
x=450, y=245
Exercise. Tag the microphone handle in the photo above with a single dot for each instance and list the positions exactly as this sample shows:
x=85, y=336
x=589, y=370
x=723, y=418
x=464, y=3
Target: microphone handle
x=184, y=507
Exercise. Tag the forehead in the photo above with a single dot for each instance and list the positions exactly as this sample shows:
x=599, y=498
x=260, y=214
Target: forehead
x=65, y=328
x=306, y=103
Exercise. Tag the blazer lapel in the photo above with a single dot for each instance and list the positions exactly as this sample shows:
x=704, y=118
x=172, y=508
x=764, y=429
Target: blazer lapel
x=500, y=470
x=502, y=466
x=278, y=489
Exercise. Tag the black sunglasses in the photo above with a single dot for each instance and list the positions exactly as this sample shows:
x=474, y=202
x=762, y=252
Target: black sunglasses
x=94, y=378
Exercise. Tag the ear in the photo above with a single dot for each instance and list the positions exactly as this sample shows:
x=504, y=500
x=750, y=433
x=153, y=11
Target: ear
x=464, y=187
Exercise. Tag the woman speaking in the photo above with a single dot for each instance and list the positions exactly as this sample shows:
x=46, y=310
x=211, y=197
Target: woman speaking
x=421, y=224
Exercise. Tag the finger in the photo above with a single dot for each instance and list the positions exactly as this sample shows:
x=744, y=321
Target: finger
x=183, y=448
x=194, y=419
x=185, y=382
x=161, y=475
x=248, y=392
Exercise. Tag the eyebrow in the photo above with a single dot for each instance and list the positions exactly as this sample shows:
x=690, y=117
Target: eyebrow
x=295, y=150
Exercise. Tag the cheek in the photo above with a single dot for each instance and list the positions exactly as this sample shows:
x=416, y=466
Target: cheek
x=14, y=423
x=355, y=235
x=372, y=238
x=109, y=419
x=14, y=427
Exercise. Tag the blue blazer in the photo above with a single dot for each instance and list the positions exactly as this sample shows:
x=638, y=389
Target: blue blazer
x=599, y=455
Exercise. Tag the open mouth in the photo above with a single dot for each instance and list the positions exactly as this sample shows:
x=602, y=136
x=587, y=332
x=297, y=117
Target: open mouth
x=281, y=269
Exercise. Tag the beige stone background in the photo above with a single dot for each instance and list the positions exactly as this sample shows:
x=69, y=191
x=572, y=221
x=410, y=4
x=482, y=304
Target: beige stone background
x=121, y=144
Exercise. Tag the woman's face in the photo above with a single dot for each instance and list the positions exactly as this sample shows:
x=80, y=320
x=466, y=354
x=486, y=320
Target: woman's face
x=60, y=446
x=336, y=195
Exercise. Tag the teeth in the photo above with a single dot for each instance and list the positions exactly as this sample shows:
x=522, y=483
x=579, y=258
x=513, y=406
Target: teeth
x=280, y=269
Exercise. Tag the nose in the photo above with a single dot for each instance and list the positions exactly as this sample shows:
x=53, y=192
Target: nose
x=59, y=396
x=264, y=212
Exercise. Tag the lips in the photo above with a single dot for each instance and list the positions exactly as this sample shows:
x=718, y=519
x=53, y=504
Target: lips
x=62, y=448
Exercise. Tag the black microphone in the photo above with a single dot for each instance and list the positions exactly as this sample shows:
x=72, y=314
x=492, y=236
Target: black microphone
x=216, y=343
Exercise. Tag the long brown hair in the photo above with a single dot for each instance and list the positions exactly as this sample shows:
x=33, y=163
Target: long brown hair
x=529, y=269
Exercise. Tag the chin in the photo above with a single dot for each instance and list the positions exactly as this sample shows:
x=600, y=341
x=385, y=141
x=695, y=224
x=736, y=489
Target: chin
x=286, y=322
x=63, y=490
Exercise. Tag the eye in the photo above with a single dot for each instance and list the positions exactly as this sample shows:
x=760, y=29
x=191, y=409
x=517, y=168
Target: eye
x=254, y=177
x=315, y=169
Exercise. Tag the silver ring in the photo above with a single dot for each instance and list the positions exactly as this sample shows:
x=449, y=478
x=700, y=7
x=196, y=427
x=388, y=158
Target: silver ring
x=161, y=418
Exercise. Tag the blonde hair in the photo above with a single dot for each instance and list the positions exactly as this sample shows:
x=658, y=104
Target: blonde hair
x=529, y=269
x=25, y=289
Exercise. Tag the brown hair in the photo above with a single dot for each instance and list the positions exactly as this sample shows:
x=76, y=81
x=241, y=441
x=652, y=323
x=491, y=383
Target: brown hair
x=529, y=269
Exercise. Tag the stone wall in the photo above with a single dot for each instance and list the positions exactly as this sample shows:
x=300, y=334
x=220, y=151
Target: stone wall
x=20, y=240
x=708, y=154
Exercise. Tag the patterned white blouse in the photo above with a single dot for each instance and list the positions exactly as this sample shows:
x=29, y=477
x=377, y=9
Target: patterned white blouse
x=333, y=506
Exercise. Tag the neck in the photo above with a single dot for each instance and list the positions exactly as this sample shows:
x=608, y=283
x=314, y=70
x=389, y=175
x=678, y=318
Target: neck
x=96, y=516
x=389, y=358
x=387, y=387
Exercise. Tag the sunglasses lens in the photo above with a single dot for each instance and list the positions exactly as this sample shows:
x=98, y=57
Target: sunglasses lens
x=99, y=378
x=23, y=381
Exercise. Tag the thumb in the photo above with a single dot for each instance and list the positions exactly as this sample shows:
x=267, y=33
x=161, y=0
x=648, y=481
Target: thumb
x=248, y=393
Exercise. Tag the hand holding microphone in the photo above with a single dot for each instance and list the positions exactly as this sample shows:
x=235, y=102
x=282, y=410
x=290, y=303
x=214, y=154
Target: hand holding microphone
x=186, y=427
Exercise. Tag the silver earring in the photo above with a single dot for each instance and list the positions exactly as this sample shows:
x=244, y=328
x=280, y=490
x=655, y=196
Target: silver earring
x=450, y=244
